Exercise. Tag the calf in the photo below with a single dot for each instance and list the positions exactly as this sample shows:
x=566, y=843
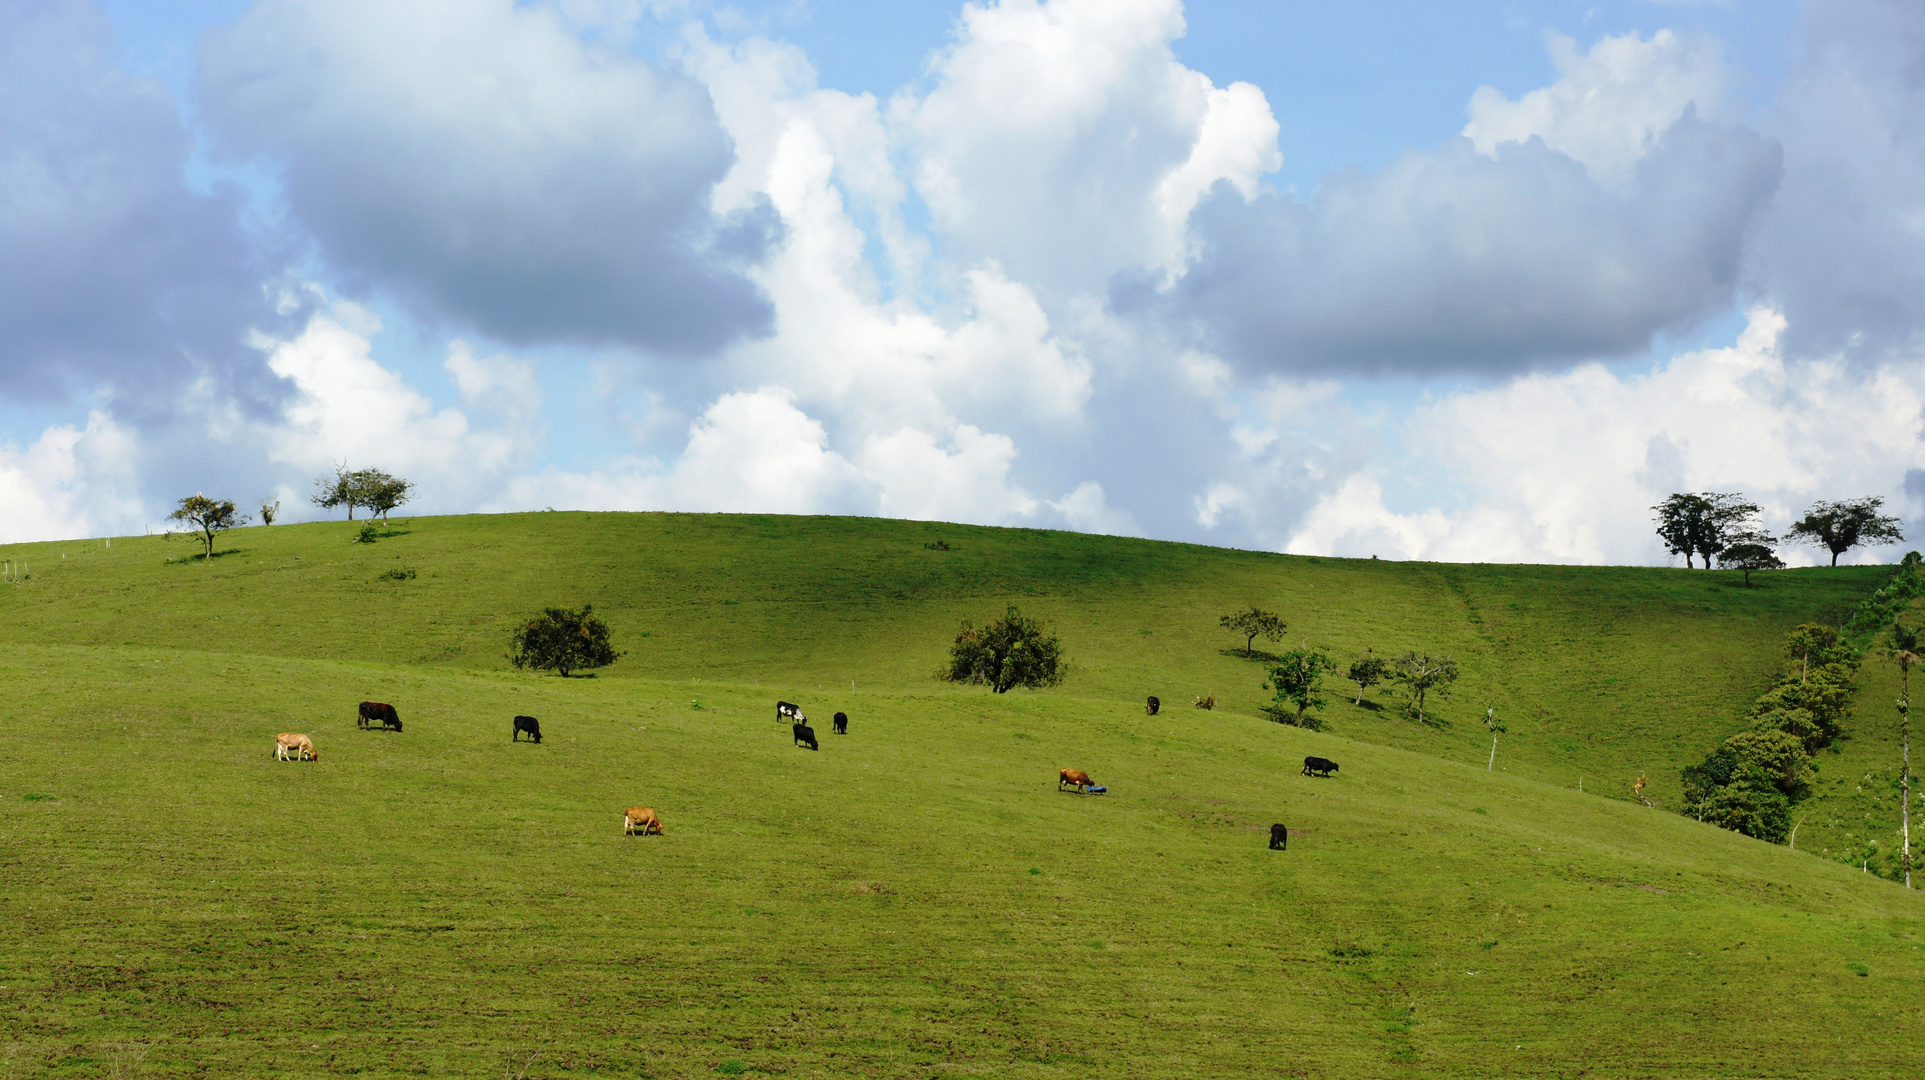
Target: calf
x=1153, y=707
x=805, y=734
x=1319, y=766
x=379, y=712
x=840, y=725
x=294, y=746
x=528, y=724
x=1279, y=838
x=1077, y=777
x=640, y=819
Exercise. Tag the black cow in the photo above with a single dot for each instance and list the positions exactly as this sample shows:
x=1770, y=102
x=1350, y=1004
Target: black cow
x=1153, y=706
x=379, y=712
x=805, y=734
x=840, y=725
x=528, y=724
x=1319, y=766
x=789, y=711
x=1279, y=838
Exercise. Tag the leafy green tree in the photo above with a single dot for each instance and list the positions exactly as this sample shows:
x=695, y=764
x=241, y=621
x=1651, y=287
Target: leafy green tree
x=336, y=490
x=1748, y=557
x=1296, y=677
x=1367, y=671
x=1011, y=651
x=380, y=492
x=562, y=640
x=1813, y=645
x=1253, y=623
x=1840, y=526
x=1422, y=675
x=1706, y=523
x=208, y=516
x=1905, y=650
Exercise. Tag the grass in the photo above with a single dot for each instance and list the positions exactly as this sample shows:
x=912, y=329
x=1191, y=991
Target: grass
x=916, y=899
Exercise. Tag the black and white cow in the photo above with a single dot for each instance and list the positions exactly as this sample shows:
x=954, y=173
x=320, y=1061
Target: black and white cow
x=788, y=710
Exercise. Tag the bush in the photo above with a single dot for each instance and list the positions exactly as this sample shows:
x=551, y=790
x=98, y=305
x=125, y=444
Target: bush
x=1010, y=652
x=562, y=641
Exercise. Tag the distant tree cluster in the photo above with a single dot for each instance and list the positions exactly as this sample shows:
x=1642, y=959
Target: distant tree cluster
x=374, y=489
x=1724, y=525
x=1749, y=783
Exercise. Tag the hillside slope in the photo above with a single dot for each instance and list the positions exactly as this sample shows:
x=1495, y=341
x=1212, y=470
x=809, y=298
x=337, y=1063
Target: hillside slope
x=916, y=898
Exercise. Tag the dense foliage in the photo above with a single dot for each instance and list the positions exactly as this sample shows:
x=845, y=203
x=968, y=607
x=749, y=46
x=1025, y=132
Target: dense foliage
x=1011, y=651
x=1707, y=523
x=1840, y=526
x=1296, y=677
x=1749, y=783
x=562, y=640
x=379, y=491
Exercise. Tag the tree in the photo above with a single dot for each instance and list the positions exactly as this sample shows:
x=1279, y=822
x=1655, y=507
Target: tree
x=1253, y=622
x=1367, y=671
x=269, y=510
x=208, y=516
x=1421, y=675
x=1812, y=643
x=1497, y=727
x=1748, y=557
x=562, y=640
x=1009, y=652
x=1295, y=678
x=1840, y=526
x=336, y=490
x=1905, y=650
x=379, y=492
x=1706, y=523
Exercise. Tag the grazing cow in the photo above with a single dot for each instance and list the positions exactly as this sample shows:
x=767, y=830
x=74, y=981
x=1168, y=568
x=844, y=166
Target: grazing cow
x=640, y=819
x=805, y=734
x=1319, y=766
x=1074, y=776
x=785, y=710
x=1279, y=838
x=840, y=725
x=379, y=712
x=528, y=724
x=294, y=746
x=1153, y=707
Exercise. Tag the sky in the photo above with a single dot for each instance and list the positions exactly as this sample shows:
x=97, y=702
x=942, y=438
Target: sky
x=1472, y=282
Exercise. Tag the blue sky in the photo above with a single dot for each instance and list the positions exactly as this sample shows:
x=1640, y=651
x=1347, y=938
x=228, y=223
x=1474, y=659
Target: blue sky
x=1469, y=281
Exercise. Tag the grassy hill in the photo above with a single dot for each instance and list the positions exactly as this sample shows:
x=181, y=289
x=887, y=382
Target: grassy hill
x=916, y=898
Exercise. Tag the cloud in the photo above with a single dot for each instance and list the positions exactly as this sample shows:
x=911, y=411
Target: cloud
x=1843, y=250
x=479, y=161
x=70, y=482
x=116, y=277
x=1610, y=106
x=1562, y=468
x=1064, y=140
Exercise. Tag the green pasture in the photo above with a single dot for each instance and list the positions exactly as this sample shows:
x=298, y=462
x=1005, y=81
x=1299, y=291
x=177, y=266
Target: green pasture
x=916, y=898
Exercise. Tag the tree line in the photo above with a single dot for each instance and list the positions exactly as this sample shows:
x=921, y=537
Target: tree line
x=378, y=491
x=1725, y=526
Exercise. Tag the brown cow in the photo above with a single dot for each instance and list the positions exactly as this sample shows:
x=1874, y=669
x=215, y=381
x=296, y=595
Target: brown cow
x=379, y=712
x=1074, y=776
x=294, y=746
x=642, y=819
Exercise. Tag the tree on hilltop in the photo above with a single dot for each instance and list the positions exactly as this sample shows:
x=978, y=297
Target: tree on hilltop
x=1706, y=523
x=375, y=489
x=1840, y=526
x=1252, y=623
x=208, y=517
x=1748, y=557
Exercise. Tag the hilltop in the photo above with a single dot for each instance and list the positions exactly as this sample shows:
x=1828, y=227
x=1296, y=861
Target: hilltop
x=914, y=899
